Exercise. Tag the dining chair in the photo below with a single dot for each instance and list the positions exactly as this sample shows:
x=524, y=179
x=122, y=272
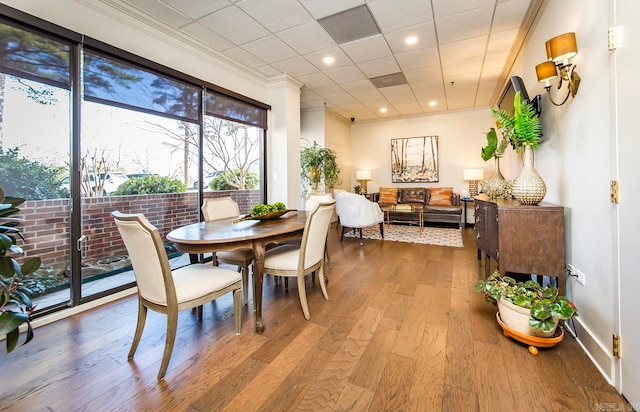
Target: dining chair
x=168, y=291
x=220, y=208
x=300, y=260
x=356, y=211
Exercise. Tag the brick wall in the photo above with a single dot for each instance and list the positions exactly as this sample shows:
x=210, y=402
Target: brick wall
x=46, y=222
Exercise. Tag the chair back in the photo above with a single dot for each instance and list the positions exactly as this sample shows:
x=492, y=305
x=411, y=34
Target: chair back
x=219, y=208
x=315, y=233
x=357, y=211
x=148, y=258
x=312, y=200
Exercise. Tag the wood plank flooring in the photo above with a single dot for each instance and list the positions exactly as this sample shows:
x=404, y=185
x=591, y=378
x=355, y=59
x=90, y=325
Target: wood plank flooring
x=403, y=331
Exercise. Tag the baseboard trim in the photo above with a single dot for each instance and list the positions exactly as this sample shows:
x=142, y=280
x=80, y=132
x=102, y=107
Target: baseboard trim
x=598, y=352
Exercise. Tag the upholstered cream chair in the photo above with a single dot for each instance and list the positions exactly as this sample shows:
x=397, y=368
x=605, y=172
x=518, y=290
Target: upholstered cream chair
x=170, y=291
x=300, y=260
x=220, y=208
x=356, y=211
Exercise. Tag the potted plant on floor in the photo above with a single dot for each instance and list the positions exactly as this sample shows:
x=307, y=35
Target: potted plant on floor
x=527, y=306
x=15, y=301
x=318, y=164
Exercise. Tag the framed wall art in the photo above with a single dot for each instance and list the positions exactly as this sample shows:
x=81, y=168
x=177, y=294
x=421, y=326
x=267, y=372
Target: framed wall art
x=414, y=160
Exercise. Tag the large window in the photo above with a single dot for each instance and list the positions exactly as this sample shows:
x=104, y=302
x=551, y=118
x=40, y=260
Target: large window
x=87, y=129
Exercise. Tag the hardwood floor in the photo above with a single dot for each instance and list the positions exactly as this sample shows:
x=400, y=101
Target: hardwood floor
x=403, y=331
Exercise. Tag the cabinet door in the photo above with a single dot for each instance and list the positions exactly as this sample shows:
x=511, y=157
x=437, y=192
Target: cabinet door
x=479, y=227
x=491, y=229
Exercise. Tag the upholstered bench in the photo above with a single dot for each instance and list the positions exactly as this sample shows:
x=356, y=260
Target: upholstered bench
x=439, y=204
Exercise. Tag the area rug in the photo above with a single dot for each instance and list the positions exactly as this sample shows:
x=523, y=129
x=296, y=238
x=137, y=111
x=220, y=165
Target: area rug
x=440, y=236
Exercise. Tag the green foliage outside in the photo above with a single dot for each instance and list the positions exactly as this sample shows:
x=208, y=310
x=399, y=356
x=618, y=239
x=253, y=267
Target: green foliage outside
x=251, y=180
x=151, y=184
x=31, y=180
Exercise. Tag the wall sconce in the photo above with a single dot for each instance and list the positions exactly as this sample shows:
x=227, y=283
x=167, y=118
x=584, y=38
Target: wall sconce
x=362, y=176
x=473, y=175
x=560, y=50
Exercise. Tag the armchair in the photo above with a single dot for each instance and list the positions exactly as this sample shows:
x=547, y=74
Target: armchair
x=356, y=211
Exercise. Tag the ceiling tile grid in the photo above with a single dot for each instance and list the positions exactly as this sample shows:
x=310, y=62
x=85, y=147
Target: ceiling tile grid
x=460, y=51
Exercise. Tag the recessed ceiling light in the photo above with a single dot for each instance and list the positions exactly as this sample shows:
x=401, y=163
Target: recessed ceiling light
x=432, y=103
x=383, y=110
x=411, y=40
x=329, y=60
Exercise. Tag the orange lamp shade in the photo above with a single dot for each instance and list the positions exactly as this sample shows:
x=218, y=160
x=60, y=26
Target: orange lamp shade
x=563, y=47
x=546, y=71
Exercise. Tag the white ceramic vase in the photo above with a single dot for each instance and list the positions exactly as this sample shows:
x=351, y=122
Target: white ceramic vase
x=528, y=187
x=517, y=318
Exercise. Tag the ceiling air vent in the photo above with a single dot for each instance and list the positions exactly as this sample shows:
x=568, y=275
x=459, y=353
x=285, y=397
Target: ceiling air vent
x=350, y=25
x=388, y=80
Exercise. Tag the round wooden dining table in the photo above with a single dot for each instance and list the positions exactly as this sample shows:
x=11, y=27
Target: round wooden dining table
x=223, y=234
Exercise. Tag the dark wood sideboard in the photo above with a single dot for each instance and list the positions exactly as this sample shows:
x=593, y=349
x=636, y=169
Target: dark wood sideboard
x=522, y=239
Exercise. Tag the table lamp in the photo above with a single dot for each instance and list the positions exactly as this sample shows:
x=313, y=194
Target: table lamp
x=473, y=176
x=362, y=176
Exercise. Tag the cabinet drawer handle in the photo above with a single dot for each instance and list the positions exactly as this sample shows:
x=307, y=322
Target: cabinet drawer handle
x=477, y=235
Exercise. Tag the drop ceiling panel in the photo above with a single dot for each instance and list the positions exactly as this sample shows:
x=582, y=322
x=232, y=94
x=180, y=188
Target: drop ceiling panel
x=234, y=25
x=315, y=80
x=462, y=50
x=509, y=14
x=280, y=15
x=241, y=55
x=345, y=74
x=270, y=49
x=424, y=74
x=208, y=37
x=476, y=23
x=419, y=58
x=393, y=15
x=307, y=38
x=444, y=8
x=424, y=33
x=162, y=12
x=367, y=49
x=359, y=86
x=501, y=41
x=380, y=67
x=197, y=8
x=341, y=59
x=324, y=8
x=298, y=66
x=397, y=91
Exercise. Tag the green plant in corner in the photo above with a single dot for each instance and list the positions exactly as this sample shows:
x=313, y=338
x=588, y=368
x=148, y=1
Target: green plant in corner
x=543, y=301
x=15, y=301
x=318, y=164
x=357, y=189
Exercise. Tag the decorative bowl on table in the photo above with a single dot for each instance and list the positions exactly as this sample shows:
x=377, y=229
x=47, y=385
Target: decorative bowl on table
x=265, y=216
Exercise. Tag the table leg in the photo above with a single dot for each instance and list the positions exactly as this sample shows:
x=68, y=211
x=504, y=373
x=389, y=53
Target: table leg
x=258, y=274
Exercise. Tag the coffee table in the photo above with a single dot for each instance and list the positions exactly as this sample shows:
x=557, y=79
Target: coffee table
x=411, y=213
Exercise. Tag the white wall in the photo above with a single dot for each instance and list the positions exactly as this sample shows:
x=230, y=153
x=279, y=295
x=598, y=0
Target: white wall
x=576, y=162
x=461, y=136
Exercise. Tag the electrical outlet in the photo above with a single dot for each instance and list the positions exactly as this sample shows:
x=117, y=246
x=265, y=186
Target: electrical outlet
x=571, y=269
x=580, y=277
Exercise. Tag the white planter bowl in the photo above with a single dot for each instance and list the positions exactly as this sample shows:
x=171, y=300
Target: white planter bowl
x=518, y=318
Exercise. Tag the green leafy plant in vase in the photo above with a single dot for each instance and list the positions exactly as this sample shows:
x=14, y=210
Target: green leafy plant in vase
x=524, y=130
x=497, y=186
x=15, y=301
x=543, y=305
x=318, y=165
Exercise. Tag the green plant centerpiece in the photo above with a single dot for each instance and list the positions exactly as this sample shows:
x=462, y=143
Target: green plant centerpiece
x=318, y=164
x=263, y=211
x=524, y=130
x=15, y=301
x=544, y=304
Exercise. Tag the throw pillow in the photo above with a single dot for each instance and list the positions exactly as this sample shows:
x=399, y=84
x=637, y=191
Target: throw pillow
x=388, y=195
x=441, y=196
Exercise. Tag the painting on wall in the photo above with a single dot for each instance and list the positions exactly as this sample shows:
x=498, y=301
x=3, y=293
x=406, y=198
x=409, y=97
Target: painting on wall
x=414, y=159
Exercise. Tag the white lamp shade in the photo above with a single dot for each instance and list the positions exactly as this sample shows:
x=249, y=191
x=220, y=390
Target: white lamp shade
x=472, y=174
x=363, y=175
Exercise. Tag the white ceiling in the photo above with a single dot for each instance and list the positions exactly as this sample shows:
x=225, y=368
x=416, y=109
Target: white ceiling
x=462, y=49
